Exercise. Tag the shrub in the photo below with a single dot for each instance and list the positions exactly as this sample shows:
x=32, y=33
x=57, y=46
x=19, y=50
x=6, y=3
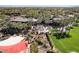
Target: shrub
x=71, y=27
x=33, y=47
x=39, y=41
x=76, y=24
x=61, y=35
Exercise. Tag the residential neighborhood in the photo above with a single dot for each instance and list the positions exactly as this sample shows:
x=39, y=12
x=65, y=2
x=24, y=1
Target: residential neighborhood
x=39, y=30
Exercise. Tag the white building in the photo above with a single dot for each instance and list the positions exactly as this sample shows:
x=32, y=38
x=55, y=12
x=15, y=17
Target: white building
x=22, y=19
x=41, y=29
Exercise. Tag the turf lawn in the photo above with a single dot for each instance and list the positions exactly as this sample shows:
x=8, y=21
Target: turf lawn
x=67, y=44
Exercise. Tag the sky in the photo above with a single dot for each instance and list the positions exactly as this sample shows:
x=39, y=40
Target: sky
x=39, y=5
x=56, y=3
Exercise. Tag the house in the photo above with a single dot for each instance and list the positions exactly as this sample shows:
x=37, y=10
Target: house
x=62, y=29
x=22, y=19
x=60, y=17
x=14, y=44
x=70, y=15
x=42, y=29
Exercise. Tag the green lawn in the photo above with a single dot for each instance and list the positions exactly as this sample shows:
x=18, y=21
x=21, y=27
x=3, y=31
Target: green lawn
x=68, y=44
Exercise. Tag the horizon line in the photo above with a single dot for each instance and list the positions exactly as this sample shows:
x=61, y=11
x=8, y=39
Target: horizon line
x=39, y=5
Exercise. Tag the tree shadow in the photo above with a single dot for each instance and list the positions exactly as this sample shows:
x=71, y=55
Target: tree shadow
x=10, y=31
x=61, y=35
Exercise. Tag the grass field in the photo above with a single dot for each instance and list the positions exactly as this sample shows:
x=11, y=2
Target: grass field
x=67, y=44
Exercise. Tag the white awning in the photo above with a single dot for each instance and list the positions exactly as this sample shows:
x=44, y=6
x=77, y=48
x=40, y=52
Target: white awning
x=11, y=41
